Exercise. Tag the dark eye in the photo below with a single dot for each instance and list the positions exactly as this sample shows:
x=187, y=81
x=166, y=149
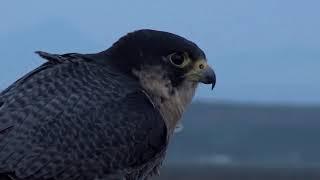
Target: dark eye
x=177, y=59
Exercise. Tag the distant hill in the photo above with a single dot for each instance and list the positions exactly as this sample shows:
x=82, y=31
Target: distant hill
x=225, y=133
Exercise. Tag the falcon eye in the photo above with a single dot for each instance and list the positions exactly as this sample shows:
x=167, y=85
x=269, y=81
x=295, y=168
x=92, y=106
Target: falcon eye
x=178, y=59
x=201, y=66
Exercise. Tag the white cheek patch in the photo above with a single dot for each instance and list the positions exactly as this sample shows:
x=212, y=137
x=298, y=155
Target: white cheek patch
x=159, y=89
x=152, y=80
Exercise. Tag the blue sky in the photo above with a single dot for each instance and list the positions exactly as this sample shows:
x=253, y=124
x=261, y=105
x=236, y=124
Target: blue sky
x=262, y=51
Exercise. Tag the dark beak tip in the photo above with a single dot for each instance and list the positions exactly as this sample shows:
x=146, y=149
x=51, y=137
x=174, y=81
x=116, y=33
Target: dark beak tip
x=213, y=80
x=209, y=77
x=213, y=84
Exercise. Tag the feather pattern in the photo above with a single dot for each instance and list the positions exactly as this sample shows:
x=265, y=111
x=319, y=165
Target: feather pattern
x=72, y=118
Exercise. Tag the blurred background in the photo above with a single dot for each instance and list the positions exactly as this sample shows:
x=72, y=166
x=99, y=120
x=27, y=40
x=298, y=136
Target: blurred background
x=262, y=120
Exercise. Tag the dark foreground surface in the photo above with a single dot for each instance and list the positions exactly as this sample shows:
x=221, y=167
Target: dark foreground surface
x=224, y=135
x=238, y=173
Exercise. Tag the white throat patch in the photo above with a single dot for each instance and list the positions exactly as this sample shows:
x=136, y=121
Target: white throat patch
x=171, y=101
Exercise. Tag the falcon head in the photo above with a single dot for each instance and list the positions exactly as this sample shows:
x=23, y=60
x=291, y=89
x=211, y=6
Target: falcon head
x=178, y=59
x=167, y=66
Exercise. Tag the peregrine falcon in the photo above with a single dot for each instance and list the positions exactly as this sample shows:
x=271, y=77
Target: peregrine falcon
x=107, y=115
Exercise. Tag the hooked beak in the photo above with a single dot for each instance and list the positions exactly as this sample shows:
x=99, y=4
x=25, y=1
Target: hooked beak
x=208, y=76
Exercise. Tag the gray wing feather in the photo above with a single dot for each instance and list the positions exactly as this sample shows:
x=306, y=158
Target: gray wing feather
x=76, y=119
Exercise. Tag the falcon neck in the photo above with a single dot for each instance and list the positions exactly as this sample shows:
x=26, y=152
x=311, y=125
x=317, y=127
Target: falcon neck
x=171, y=101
